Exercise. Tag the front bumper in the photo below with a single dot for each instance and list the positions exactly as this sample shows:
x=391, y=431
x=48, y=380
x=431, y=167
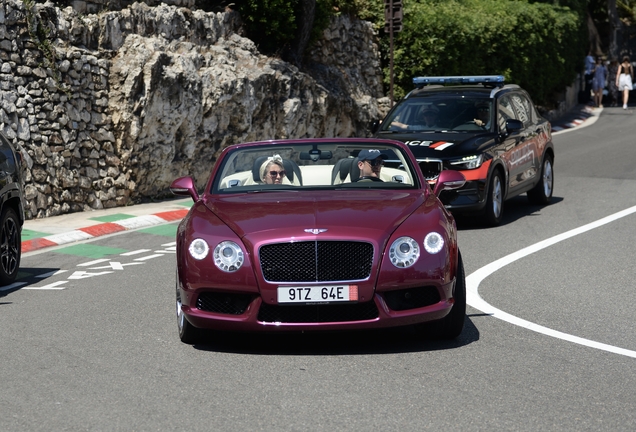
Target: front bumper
x=257, y=315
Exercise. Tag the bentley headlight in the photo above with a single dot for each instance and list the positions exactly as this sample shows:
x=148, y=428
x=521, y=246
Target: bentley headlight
x=228, y=256
x=404, y=252
x=199, y=249
x=468, y=162
x=433, y=243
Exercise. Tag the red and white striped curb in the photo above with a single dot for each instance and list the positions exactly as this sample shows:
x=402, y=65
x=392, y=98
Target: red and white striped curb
x=103, y=229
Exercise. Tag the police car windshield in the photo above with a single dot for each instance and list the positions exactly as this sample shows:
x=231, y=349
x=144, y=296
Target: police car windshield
x=440, y=114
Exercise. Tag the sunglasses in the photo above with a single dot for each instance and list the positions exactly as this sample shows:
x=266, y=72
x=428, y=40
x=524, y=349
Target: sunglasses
x=376, y=162
x=277, y=173
x=483, y=109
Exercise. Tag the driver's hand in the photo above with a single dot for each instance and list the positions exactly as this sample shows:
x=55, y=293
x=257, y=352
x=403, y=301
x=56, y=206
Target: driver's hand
x=478, y=122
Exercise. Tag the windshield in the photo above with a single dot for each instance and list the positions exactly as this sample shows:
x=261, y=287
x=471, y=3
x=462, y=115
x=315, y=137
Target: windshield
x=297, y=166
x=440, y=113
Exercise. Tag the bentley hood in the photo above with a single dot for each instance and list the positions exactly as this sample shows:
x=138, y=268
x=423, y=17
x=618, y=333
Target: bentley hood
x=284, y=216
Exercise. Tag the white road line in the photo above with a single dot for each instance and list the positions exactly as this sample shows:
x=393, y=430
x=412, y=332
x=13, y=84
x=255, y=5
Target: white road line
x=49, y=274
x=90, y=263
x=51, y=286
x=12, y=286
x=135, y=252
x=474, y=279
x=149, y=257
x=174, y=243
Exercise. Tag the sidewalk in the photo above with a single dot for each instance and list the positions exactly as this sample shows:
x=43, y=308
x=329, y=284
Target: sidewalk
x=69, y=228
x=73, y=227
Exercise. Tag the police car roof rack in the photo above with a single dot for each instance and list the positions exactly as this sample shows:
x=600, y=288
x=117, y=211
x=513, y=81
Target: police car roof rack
x=486, y=80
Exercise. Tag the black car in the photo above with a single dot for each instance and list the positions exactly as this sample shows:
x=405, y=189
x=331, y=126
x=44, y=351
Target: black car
x=11, y=211
x=488, y=130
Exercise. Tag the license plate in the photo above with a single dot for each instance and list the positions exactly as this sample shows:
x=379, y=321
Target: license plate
x=318, y=294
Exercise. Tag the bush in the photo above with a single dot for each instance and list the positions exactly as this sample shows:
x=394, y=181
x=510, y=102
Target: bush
x=538, y=46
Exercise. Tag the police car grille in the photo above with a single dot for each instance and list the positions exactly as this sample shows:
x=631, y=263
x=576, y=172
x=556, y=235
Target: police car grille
x=430, y=168
x=316, y=261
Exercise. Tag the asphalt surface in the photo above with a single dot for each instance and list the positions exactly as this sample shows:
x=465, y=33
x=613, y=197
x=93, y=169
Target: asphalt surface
x=90, y=342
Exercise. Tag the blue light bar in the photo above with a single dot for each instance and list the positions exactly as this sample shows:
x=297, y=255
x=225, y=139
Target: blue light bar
x=497, y=80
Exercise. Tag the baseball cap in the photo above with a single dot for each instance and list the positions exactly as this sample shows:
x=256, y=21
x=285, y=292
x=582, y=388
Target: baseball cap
x=430, y=108
x=371, y=154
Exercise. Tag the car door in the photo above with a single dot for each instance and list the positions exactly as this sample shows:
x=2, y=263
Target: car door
x=521, y=151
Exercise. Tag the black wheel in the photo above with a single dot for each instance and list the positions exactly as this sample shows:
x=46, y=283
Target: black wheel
x=495, y=200
x=451, y=325
x=187, y=332
x=542, y=192
x=10, y=246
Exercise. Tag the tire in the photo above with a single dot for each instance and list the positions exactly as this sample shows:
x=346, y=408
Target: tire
x=495, y=200
x=451, y=326
x=542, y=193
x=10, y=246
x=188, y=333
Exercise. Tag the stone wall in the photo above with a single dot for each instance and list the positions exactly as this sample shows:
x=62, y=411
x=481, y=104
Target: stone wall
x=108, y=108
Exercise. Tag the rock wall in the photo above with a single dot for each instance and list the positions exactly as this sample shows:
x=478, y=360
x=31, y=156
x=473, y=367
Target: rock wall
x=108, y=108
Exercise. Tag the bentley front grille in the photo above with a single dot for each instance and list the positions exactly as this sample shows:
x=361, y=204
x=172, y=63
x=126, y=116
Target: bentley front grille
x=316, y=261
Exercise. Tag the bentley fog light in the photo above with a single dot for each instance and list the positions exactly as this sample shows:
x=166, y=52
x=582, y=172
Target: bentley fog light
x=433, y=243
x=228, y=256
x=404, y=252
x=199, y=249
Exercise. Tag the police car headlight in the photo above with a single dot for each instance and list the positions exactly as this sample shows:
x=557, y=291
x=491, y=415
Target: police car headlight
x=468, y=162
x=404, y=252
x=433, y=243
x=228, y=256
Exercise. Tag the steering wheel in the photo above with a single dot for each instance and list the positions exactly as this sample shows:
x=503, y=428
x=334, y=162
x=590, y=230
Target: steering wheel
x=369, y=178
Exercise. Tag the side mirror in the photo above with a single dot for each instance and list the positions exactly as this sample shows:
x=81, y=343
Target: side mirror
x=375, y=125
x=185, y=186
x=449, y=180
x=513, y=126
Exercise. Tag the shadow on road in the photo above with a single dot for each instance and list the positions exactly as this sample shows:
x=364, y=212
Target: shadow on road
x=386, y=341
x=514, y=209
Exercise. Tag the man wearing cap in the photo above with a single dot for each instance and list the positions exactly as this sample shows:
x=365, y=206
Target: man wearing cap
x=370, y=163
x=483, y=115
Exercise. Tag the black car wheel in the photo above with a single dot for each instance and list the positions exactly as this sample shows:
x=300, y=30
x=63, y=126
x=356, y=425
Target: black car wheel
x=542, y=192
x=187, y=332
x=10, y=246
x=451, y=325
x=495, y=200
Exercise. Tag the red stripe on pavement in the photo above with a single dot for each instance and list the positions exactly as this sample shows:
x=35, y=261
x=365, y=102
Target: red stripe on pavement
x=38, y=243
x=173, y=215
x=102, y=229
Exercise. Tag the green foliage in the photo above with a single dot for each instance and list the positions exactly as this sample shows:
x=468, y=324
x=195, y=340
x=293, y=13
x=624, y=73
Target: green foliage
x=271, y=24
x=538, y=46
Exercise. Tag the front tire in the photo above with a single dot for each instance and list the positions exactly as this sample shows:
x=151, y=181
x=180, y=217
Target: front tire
x=495, y=200
x=451, y=326
x=542, y=193
x=188, y=333
x=10, y=246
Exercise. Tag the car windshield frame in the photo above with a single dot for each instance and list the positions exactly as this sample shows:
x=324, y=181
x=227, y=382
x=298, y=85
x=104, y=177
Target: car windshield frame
x=456, y=113
x=241, y=168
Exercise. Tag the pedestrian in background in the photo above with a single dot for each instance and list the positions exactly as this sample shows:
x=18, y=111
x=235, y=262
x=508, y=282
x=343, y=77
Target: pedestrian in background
x=612, y=87
x=598, y=82
x=624, y=78
x=589, y=74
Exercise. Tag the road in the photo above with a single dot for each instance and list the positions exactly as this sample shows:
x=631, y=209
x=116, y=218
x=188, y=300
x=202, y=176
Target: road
x=91, y=344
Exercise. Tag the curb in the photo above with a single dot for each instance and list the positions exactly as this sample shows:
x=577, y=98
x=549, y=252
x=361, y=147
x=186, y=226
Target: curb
x=584, y=117
x=103, y=229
